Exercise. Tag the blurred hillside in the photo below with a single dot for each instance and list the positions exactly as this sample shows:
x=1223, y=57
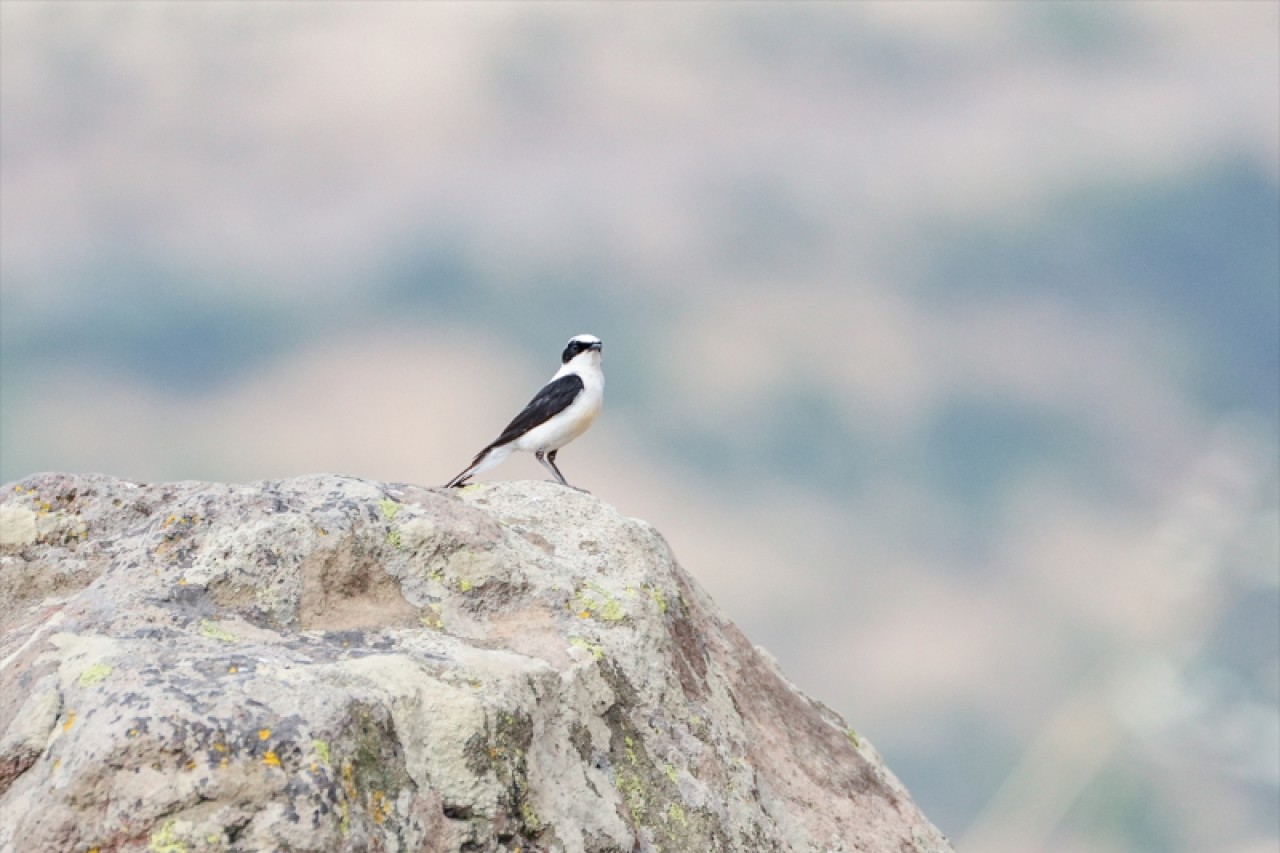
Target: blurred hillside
x=943, y=339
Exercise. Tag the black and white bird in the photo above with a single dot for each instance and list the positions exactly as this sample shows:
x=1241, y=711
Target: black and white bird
x=563, y=410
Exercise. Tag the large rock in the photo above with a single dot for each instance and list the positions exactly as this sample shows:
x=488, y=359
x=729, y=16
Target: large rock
x=331, y=664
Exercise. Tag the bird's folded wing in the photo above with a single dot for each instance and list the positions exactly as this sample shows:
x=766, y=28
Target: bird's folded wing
x=554, y=398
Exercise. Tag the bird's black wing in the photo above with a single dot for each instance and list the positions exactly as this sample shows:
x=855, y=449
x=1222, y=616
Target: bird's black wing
x=554, y=398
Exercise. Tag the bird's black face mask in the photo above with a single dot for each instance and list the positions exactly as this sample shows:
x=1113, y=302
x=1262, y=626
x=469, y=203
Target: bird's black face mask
x=577, y=347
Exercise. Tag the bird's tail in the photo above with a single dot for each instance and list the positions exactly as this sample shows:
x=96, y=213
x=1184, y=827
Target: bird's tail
x=484, y=460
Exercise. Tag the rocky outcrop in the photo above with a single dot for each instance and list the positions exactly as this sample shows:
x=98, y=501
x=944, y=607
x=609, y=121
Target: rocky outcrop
x=331, y=664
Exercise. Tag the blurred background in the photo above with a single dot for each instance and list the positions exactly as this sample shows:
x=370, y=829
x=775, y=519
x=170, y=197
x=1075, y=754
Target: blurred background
x=942, y=339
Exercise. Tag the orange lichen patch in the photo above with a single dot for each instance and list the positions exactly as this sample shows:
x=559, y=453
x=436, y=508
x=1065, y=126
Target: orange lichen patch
x=233, y=669
x=71, y=718
x=220, y=747
x=379, y=807
x=271, y=759
x=263, y=734
x=348, y=780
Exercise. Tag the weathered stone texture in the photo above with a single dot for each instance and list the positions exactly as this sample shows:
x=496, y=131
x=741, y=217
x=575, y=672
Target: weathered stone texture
x=331, y=664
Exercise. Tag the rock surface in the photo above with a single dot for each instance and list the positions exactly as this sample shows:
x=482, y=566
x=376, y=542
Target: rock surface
x=332, y=664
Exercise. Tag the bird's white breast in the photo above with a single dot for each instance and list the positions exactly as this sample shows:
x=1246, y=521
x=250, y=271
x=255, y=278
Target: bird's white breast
x=580, y=414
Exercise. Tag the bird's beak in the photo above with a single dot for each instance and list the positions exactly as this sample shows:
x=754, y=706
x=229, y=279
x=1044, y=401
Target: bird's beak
x=597, y=346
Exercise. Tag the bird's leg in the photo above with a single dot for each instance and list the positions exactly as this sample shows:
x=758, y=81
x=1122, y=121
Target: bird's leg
x=551, y=458
x=460, y=480
x=548, y=461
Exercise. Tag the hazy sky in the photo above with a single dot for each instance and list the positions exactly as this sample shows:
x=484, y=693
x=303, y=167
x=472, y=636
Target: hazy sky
x=942, y=338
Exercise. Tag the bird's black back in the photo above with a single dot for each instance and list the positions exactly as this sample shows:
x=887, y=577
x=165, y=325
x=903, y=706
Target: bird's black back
x=554, y=398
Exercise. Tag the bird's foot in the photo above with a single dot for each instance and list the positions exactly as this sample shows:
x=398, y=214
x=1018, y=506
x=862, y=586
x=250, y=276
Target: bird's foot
x=568, y=486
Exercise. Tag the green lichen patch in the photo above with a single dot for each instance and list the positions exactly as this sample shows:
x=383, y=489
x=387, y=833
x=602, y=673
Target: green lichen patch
x=214, y=631
x=430, y=617
x=166, y=840
x=648, y=788
x=583, y=643
x=501, y=748
x=93, y=674
x=465, y=569
x=659, y=598
x=635, y=796
x=501, y=751
x=592, y=601
x=376, y=761
x=530, y=819
x=360, y=772
x=388, y=508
